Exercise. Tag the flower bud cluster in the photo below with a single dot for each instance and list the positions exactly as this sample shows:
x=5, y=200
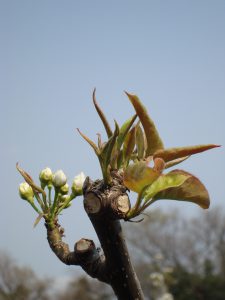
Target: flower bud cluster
x=49, y=206
x=62, y=198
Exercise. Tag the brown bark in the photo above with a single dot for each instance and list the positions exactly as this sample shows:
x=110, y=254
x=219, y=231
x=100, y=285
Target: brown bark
x=105, y=206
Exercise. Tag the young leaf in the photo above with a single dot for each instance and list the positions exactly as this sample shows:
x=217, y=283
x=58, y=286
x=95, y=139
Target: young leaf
x=124, y=130
x=154, y=141
x=102, y=116
x=128, y=146
x=174, y=153
x=175, y=162
x=140, y=142
x=90, y=142
x=163, y=182
x=108, y=148
x=192, y=190
x=30, y=181
x=139, y=175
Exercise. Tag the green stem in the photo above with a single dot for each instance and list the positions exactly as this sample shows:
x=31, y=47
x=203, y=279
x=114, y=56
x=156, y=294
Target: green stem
x=65, y=204
x=49, y=196
x=35, y=208
x=134, y=211
x=40, y=202
x=54, y=202
x=45, y=201
x=150, y=202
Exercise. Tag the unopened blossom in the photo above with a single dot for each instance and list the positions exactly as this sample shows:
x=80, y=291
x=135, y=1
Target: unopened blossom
x=77, y=185
x=59, y=179
x=64, y=189
x=26, y=192
x=45, y=176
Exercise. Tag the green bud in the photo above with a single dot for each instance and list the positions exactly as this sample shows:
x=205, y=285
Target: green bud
x=59, y=179
x=64, y=189
x=45, y=177
x=26, y=192
x=77, y=185
x=63, y=198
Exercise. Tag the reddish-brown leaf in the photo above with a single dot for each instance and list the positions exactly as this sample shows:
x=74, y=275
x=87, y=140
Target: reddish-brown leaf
x=175, y=153
x=154, y=141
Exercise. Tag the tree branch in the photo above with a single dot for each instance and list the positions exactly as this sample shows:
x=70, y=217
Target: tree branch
x=85, y=253
x=105, y=205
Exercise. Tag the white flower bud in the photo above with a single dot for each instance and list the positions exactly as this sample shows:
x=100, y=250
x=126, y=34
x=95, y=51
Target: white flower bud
x=59, y=179
x=45, y=176
x=64, y=189
x=26, y=192
x=77, y=184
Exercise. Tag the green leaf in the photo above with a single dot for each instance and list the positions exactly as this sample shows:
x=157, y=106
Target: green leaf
x=139, y=175
x=175, y=153
x=154, y=141
x=192, y=190
x=128, y=146
x=124, y=130
x=90, y=142
x=163, y=182
x=140, y=142
x=102, y=116
x=108, y=148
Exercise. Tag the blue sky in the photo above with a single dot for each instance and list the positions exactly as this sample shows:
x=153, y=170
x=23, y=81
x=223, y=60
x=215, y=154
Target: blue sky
x=53, y=53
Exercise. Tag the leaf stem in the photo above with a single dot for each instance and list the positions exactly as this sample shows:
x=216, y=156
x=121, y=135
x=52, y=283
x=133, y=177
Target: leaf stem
x=134, y=211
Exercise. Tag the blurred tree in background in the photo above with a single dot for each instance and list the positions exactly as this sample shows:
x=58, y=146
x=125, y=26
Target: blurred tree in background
x=189, y=253
x=20, y=283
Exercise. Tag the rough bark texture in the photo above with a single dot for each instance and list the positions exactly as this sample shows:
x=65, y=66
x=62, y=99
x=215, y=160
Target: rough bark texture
x=113, y=204
x=105, y=206
x=85, y=253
